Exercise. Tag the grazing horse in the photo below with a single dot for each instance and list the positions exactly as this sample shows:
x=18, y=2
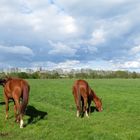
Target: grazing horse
x=18, y=90
x=83, y=93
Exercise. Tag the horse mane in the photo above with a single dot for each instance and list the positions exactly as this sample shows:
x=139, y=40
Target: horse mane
x=3, y=81
x=94, y=96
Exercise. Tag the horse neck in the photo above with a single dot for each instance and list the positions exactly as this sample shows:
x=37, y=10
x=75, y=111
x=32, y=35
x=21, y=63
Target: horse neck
x=95, y=97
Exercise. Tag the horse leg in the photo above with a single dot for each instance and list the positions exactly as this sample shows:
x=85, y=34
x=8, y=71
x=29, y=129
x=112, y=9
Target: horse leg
x=7, y=105
x=76, y=102
x=89, y=108
x=78, y=108
x=15, y=113
x=85, y=106
x=19, y=116
x=82, y=106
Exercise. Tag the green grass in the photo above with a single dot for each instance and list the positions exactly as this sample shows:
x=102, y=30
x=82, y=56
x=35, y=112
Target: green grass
x=51, y=113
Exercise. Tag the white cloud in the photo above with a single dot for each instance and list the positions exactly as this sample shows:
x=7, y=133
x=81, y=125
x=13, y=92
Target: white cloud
x=135, y=50
x=108, y=29
x=66, y=65
x=69, y=64
x=98, y=36
x=75, y=64
x=62, y=49
x=94, y=7
x=68, y=25
x=43, y=20
x=128, y=65
x=23, y=50
x=83, y=31
x=51, y=23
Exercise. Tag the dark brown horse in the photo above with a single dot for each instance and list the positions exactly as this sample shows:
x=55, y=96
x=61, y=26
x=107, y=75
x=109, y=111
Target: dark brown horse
x=18, y=90
x=83, y=93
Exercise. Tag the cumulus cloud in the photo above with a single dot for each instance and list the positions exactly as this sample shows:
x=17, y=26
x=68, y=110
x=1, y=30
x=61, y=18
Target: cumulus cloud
x=43, y=20
x=66, y=65
x=14, y=56
x=75, y=64
x=87, y=32
x=98, y=36
x=62, y=49
x=131, y=65
x=96, y=9
x=20, y=50
x=135, y=50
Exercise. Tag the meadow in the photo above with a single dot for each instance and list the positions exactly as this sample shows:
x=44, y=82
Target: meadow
x=51, y=112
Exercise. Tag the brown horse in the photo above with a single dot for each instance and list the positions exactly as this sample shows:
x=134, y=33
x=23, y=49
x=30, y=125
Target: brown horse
x=83, y=93
x=16, y=89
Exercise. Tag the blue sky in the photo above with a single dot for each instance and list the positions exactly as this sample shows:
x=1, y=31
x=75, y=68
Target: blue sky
x=66, y=34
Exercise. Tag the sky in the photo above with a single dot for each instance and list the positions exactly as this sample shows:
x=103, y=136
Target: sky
x=70, y=34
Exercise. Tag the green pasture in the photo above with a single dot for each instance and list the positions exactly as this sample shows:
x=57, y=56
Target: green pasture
x=51, y=112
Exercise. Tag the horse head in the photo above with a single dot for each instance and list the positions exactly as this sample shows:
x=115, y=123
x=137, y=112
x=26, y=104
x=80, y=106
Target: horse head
x=96, y=100
x=2, y=82
x=98, y=103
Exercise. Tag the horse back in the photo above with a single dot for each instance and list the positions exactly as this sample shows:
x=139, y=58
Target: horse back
x=81, y=87
x=15, y=86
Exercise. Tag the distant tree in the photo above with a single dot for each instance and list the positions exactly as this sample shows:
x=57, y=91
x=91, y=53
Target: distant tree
x=121, y=74
x=2, y=75
x=35, y=75
x=12, y=74
x=134, y=75
x=23, y=75
x=70, y=75
x=83, y=74
x=55, y=75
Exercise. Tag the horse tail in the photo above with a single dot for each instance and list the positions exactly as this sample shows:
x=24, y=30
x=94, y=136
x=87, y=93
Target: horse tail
x=26, y=90
x=79, y=98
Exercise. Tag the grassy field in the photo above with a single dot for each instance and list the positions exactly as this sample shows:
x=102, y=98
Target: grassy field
x=51, y=112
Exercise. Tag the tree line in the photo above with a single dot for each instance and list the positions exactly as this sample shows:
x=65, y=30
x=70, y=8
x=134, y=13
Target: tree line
x=83, y=74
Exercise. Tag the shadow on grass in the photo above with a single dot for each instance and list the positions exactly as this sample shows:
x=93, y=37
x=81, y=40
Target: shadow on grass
x=2, y=103
x=34, y=114
x=93, y=109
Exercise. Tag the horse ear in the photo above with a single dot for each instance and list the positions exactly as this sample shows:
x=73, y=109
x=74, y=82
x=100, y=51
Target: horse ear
x=7, y=77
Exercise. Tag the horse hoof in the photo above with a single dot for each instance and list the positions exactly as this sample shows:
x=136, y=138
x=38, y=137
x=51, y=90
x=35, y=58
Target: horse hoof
x=21, y=126
x=6, y=118
x=78, y=116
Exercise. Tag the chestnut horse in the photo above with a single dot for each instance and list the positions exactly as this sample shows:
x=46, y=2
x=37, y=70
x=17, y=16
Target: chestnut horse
x=83, y=93
x=16, y=89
